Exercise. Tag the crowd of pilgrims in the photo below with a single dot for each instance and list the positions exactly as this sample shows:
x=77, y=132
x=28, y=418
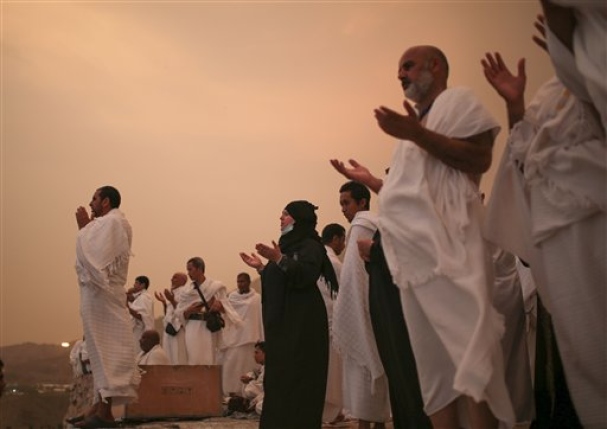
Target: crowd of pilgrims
x=437, y=310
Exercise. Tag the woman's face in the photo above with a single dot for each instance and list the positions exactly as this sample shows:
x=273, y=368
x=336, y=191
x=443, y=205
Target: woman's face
x=285, y=219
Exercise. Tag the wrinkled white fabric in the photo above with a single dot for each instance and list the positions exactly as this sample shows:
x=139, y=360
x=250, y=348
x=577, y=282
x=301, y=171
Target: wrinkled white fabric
x=554, y=169
x=174, y=345
x=78, y=356
x=584, y=70
x=365, y=383
x=102, y=260
x=334, y=394
x=143, y=303
x=202, y=345
x=237, y=354
x=430, y=217
x=156, y=356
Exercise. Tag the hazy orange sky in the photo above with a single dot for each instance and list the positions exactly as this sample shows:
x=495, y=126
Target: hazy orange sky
x=208, y=117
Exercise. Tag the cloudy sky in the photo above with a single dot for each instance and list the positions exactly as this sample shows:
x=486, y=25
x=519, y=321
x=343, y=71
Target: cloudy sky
x=209, y=117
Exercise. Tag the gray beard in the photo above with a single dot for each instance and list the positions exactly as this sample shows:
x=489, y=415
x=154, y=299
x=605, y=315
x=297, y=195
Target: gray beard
x=418, y=90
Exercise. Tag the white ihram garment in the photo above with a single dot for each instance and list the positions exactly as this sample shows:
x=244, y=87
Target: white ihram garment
x=102, y=261
x=430, y=224
x=552, y=187
x=583, y=71
x=174, y=345
x=156, y=356
x=201, y=344
x=365, y=383
x=143, y=303
x=334, y=394
x=238, y=348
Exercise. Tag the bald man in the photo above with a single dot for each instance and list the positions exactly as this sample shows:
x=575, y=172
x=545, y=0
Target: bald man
x=173, y=338
x=151, y=351
x=432, y=245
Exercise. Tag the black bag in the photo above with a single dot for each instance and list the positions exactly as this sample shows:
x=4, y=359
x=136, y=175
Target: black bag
x=213, y=319
x=170, y=329
x=238, y=404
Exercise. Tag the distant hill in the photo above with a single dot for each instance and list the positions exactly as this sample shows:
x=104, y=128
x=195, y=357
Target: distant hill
x=31, y=364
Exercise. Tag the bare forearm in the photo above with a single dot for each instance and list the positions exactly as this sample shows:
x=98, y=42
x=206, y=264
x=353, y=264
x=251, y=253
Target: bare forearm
x=472, y=156
x=374, y=183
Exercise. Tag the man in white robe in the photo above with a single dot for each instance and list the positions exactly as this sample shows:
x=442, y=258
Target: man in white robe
x=151, y=351
x=548, y=206
x=237, y=354
x=430, y=212
x=333, y=237
x=365, y=384
x=141, y=307
x=201, y=344
x=173, y=344
x=103, y=249
x=576, y=34
x=252, y=388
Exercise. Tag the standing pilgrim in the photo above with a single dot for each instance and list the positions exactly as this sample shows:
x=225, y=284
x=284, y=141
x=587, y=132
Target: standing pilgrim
x=103, y=249
x=295, y=320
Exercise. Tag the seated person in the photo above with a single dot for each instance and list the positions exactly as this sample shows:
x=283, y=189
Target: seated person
x=252, y=390
x=151, y=351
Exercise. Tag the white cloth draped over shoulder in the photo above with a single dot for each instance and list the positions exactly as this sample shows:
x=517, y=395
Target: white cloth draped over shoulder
x=248, y=307
x=144, y=305
x=365, y=383
x=237, y=348
x=102, y=259
x=552, y=187
x=430, y=216
x=352, y=329
x=201, y=344
x=583, y=71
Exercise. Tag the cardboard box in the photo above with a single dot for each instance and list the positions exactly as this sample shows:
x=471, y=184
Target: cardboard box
x=186, y=391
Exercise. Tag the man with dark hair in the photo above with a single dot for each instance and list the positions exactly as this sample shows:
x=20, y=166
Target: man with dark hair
x=111, y=194
x=354, y=192
x=432, y=247
x=140, y=304
x=365, y=382
x=103, y=249
x=239, y=341
x=202, y=344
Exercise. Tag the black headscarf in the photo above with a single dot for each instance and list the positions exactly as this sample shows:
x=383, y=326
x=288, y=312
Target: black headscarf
x=303, y=212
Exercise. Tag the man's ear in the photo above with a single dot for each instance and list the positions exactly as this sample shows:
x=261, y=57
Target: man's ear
x=434, y=65
x=105, y=203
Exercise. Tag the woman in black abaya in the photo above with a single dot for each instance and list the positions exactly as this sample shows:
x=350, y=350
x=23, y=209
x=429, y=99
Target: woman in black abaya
x=295, y=321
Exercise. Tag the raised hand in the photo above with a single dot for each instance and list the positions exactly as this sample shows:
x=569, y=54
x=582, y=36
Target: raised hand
x=510, y=87
x=406, y=127
x=82, y=217
x=540, y=26
x=252, y=260
x=170, y=296
x=271, y=253
x=160, y=297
